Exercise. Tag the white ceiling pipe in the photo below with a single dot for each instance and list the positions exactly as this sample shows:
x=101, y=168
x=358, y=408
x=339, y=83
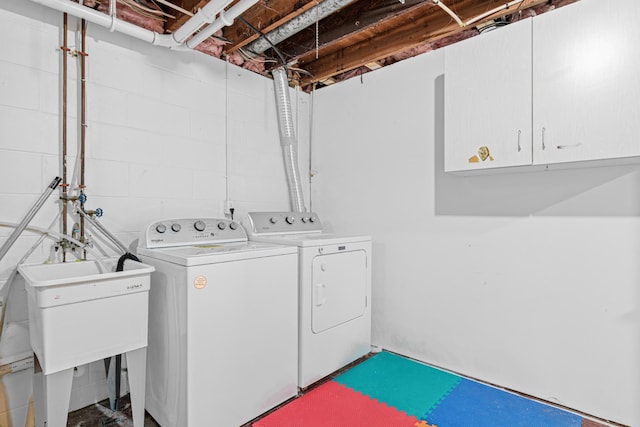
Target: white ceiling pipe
x=206, y=15
x=167, y=40
x=225, y=19
x=297, y=24
x=492, y=11
x=99, y=18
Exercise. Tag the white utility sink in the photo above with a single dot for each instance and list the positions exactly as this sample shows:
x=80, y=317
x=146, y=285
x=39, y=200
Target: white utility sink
x=80, y=312
x=78, y=315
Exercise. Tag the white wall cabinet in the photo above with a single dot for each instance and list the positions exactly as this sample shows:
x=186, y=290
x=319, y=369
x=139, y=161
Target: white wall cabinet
x=586, y=82
x=488, y=100
x=581, y=87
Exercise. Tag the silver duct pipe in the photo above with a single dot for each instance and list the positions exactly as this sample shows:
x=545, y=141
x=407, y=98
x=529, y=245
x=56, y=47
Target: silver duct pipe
x=288, y=138
x=297, y=24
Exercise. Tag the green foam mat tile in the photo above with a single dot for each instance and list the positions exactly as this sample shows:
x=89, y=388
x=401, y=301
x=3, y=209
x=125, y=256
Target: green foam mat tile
x=408, y=386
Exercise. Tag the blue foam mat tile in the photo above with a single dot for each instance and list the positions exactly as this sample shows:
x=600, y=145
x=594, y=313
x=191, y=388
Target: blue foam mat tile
x=471, y=404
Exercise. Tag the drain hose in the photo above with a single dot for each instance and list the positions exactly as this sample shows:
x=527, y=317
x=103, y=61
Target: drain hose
x=114, y=400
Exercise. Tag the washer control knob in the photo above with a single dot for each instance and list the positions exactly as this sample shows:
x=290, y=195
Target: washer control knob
x=305, y=219
x=161, y=228
x=290, y=219
x=199, y=225
x=176, y=227
x=273, y=220
x=312, y=219
x=233, y=225
x=222, y=225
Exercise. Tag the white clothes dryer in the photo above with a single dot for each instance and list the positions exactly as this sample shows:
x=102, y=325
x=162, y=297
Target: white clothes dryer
x=335, y=290
x=222, y=323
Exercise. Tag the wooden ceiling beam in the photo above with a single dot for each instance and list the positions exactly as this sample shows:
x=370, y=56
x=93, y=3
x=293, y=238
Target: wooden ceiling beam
x=394, y=36
x=266, y=16
x=351, y=19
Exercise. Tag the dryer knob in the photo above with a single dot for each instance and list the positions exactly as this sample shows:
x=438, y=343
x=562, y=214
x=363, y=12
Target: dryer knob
x=312, y=219
x=161, y=228
x=233, y=225
x=176, y=227
x=273, y=220
x=305, y=219
x=222, y=225
x=199, y=225
x=290, y=219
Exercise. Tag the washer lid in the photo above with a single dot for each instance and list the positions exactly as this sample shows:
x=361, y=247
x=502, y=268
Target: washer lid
x=215, y=253
x=314, y=239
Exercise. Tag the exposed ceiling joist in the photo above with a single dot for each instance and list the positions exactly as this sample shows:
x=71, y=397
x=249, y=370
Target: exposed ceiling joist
x=400, y=33
x=271, y=16
x=323, y=41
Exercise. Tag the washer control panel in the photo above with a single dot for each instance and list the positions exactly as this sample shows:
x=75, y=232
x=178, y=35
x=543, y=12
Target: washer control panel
x=193, y=231
x=261, y=223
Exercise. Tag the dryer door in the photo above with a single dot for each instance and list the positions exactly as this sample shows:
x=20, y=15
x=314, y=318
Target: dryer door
x=338, y=289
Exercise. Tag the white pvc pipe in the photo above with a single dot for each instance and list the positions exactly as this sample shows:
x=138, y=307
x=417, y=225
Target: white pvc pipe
x=113, y=13
x=206, y=15
x=173, y=41
x=99, y=18
x=225, y=19
x=492, y=11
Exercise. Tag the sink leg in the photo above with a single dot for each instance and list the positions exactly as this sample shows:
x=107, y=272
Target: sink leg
x=57, y=392
x=136, y=369
x=38, y=393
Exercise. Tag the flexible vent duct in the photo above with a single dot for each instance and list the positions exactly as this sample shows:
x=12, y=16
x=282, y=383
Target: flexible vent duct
x=288, y=138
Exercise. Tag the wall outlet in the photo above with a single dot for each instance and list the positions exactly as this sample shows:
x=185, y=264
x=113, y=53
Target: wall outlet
x=228, y=205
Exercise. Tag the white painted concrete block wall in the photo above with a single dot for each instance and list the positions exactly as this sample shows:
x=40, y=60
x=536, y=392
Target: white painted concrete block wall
x=170, y=134
x=529, y=281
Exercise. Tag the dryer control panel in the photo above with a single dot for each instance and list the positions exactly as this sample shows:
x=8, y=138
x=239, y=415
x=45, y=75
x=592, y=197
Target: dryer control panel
x=264, y=223
x=193, y=231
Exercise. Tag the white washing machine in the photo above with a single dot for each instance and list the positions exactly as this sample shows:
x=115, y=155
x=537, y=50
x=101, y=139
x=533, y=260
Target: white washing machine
x=223, y=336
x=335, y=290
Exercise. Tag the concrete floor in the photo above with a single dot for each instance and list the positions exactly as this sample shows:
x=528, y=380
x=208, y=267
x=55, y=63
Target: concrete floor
x=100, y=415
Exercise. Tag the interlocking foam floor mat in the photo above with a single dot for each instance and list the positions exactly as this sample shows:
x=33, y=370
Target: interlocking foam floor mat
x=387, y=390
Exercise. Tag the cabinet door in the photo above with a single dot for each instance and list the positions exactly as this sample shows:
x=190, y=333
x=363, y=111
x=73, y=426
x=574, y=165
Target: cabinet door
x=586, y=82
x=488, y=100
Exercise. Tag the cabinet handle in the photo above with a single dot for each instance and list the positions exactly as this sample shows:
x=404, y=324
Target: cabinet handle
x=544, y=147
x=563, y=147
x=519, y=147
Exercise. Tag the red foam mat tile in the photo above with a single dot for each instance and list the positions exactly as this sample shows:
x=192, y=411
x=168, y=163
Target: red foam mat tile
x=334, y=405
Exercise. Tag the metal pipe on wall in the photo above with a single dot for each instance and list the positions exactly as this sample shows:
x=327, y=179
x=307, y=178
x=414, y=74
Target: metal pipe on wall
x=65, y=76
x=83, y=121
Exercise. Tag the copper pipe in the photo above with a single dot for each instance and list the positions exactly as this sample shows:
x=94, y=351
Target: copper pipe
x=83, y=120
x=65, y=184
